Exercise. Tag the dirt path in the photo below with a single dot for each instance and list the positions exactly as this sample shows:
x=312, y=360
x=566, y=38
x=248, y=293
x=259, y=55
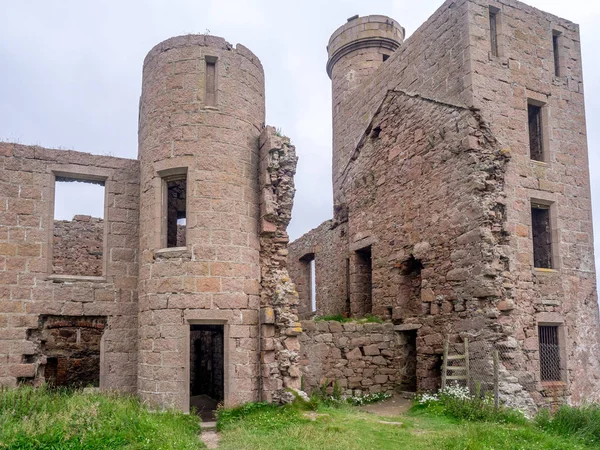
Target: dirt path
x=393, y=407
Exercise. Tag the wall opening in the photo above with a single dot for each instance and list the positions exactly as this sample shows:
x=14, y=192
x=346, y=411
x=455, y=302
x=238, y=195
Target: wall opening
x=307, y=286
x=407, y=376
x=493, y=13
x=536, y=137
x=557, y=52
x=408, y=302
x=207, y=380
x=550, y=361
x=78, y=236
x=542, y=236
x=176, y=211
x=313, y=286
x=348, y=304
x=211, y=81
x=71, y=346
x=385, y=57
x=363, y=285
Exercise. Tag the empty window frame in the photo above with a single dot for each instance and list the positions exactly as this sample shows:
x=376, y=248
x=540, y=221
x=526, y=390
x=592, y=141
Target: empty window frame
x=493, y=13
x=175, y=217
x=310, y=281
x=211, y=81
x=557, y=51
x=364, y=282
x=550, y=360
x=536, y=131
x=78, y=227
x=542, y=236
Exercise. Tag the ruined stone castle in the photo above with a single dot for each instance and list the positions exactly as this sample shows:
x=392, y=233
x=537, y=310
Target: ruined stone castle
x=461, y=211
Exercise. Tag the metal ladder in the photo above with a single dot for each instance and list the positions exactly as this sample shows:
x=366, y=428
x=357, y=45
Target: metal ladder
x=463, y=370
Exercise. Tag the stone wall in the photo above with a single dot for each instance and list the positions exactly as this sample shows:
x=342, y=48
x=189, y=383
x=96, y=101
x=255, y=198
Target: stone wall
x=78, y=246
x=359, y=357
x=28, y=287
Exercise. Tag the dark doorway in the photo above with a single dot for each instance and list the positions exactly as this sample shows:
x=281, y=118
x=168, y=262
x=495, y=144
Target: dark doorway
x=363, y=289
x=407, y=380
x=206, y=369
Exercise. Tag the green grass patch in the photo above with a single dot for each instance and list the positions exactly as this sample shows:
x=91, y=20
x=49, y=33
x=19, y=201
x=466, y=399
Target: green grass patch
x=581, y=422
x=346, y=427
x=369, y=318
x=44, y=419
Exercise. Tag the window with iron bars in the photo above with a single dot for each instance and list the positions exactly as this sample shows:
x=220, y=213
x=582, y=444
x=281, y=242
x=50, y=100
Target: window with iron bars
x=549, y=353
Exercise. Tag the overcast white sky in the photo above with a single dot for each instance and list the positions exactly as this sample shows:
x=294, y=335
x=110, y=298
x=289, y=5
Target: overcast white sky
x=71, y=72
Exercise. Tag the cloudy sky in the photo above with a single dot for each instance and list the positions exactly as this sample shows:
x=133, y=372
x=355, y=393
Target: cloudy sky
x=71, y=72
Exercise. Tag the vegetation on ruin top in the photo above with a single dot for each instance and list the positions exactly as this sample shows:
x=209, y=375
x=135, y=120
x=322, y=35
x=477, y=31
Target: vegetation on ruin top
x=369, y=318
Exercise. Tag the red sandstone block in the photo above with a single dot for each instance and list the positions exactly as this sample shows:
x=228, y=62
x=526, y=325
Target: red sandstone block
x=29, y=250
x=8, y=249
x=230, y=301
x=11, y=306
x=208, y=284
x=22, y=370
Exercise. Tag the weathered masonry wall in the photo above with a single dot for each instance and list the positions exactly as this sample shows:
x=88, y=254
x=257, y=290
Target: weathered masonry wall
x=424, y=192
x=359, y=358
x=28, y=288
x=503, y=85
x=78, y=246
x=278, y=322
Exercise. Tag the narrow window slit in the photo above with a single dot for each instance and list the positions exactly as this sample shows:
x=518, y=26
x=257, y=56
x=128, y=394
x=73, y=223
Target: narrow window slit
x=211, y=82
x=536, y=145
x=556, y=50
x=493, y=12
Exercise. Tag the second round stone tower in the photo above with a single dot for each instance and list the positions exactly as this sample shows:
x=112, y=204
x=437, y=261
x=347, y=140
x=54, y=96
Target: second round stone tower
x=202, y=110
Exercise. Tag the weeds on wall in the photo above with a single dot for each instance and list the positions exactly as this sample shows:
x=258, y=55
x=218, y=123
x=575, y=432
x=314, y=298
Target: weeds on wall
x=369, y=318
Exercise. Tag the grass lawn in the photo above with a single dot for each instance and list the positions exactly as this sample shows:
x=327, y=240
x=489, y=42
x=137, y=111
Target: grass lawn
x=41, y=419
x=349, y=428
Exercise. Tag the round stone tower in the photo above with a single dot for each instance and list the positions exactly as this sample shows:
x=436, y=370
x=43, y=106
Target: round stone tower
x=356, y=50
x=202, y=109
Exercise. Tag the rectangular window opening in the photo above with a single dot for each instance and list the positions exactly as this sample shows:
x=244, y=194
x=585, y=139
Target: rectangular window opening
x=313, y=286
x=308, y=287
x=211, y=81
x=542, y=236
x=364, y=281
x=550, y=364
x=78, y=236
x=556, y=50
x=348, y=304
x=493, y=12
x=536, y=142
x=176, y=213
